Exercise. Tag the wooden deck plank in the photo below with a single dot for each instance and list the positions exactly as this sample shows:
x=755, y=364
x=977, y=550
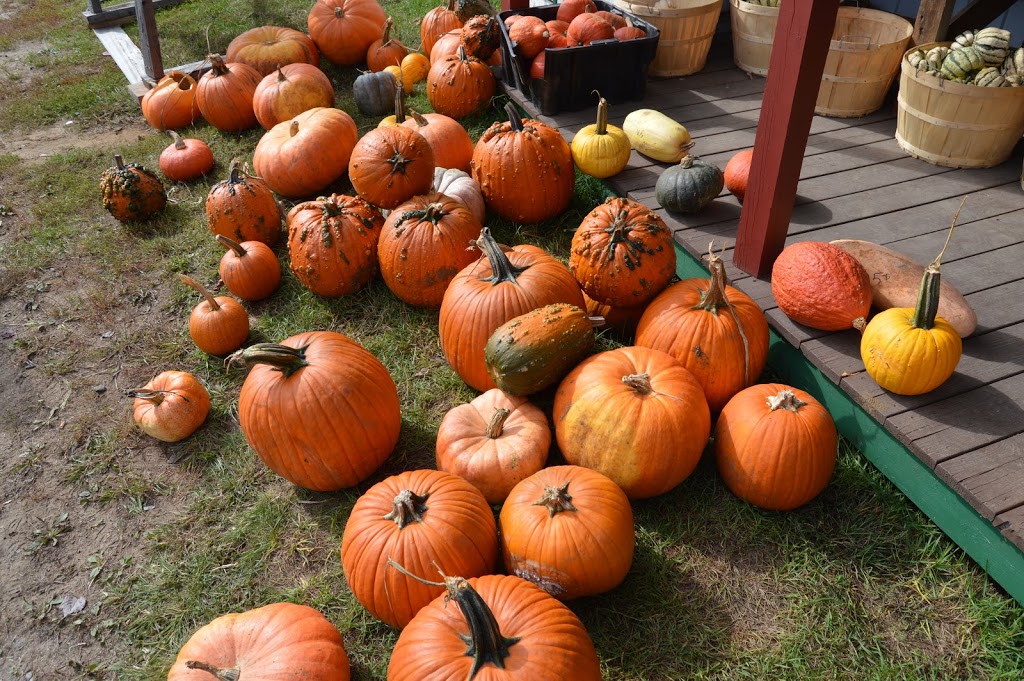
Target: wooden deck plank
x=991, y=478
x=1011, y=525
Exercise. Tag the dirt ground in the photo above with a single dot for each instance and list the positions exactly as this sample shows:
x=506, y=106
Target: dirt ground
x=58, y=388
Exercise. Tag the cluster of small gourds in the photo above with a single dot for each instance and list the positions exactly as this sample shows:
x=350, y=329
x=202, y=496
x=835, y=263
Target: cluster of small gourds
x=977, y=57
x=764, y=3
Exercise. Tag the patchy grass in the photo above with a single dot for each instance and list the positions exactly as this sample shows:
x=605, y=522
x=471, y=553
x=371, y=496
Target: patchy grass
x=856, y=584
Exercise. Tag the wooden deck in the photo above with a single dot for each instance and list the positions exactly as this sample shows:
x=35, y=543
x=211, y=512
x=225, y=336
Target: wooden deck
x=957, y=452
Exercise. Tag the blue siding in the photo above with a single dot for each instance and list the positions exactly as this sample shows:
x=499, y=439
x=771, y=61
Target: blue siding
x=1012, y=19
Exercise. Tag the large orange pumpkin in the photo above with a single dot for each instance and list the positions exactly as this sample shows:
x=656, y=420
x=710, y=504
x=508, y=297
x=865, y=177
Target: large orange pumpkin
x=170, y=407
x=224, y=95
x=424, y=244
x=820, y=285
x=171, y=103
x=458, y=85
x=569, y=530
x=343, y=30
x=515, y=629
x=243, y=208
x=277, y=641
x=289, y=91
x=301, y=156
x=318, y=408
x=622, y=253
x=332, y=243
x=426, y=521
x=267, y=48
x=490, y=292
x=524, y=169
x=716, y=331
x=634, y=414
x=775, y=446
x=390, y=165
x=493, y=442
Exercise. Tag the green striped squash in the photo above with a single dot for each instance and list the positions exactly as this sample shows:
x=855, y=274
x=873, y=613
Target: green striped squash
x=935, y=56
x=960, y=64
x=535, y=350
x=993, y=44
x=965, y=39
x=1013, y=65
x=989, y=77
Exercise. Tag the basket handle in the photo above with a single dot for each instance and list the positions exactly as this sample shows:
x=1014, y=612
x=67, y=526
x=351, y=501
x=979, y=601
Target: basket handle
x=863, y=38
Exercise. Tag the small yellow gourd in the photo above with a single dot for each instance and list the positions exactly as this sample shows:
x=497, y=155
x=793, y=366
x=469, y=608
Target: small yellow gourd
x=601, y=150
x=415, y=67
x=401, y=77
x=911, y=351
x=657, y=136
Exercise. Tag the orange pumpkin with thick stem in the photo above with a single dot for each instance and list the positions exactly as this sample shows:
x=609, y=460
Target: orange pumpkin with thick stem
x=301, y=156
x=224, y=95
x=622, y=253
x=714, y=330
x=459, y=84
x=171, y=103
x=318, y=408
x=249, y=269
x=737, y=171
x=820, y=285
x=218, y=325
x=634, y=414
x=289, y=91
x=569, y=530
x=243, y=208
x=425, y=520
x=775, y=446
x=170, y=407
x=332, y=244
x=436, y=23
x=390, y=165
x=451, y=144
x=343, y=30
x=486, y=294
x=493, y=442
x=524, y=169
x=277, y=641
x=423, y=245
x=512, y=624
x=268, y=48
x=386, y=50
x=185, y=158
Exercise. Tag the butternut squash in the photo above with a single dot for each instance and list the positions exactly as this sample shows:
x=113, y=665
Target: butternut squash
x=896, y=280
x=657, y=136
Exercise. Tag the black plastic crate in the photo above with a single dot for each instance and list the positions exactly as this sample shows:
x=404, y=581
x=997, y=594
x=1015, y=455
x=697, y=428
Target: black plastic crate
x=616, y=69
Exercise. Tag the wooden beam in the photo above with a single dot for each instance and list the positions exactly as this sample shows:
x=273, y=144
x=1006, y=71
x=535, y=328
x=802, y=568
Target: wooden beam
x=932, y=21
x=118, y=14
x=978, y=14
x=802, y=38
x=149, y=39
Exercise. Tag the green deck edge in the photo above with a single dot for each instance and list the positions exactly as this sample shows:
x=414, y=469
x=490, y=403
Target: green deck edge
x=972, y=532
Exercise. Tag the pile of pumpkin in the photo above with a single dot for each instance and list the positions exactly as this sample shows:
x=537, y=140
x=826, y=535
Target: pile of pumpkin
x=975, y=57
x=514, y=321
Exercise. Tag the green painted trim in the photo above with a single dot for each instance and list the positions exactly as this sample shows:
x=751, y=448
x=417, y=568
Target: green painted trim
x=973, y=533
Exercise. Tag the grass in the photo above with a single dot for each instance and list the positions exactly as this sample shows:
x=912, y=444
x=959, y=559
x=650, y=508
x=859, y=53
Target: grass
x=857, y=584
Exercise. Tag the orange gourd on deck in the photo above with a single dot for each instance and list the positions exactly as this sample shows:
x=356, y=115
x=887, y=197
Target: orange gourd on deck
x=820, y=285
x=737, y=172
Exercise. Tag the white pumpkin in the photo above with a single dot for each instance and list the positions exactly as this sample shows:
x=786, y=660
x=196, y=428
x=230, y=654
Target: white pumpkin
x=459, y=185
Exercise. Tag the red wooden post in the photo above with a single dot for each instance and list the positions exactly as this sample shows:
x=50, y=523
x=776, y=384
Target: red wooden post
x=802, y=38
x=514, y=4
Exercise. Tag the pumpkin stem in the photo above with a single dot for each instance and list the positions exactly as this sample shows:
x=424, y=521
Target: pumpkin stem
x=179, y=143
x=408, y=507
x=601, y=128
x=497, y=422
x=232, y=244
x=203, y=291
x=280, y=75
x=502, y=269
x=293, y=129
x=284, y=358
x=514, y=119
x=557, y=499
x=221, y=674
x=235, y=171
x=338, y=13
x=715, y=298
x=418, y=117
x=485, y=642
x=154, y=396
x=785, y=399
x=386, y=38
x=118, y=161
x=642, y=384
x=949, y=235
x=217, y=65
x=400, y=102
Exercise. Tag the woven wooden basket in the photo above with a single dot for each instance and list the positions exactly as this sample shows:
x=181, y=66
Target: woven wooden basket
x=753, y=30
x=956, y=125
x=686, y=27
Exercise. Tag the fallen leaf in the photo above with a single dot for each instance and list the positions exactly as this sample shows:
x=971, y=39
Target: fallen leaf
x=72, y=605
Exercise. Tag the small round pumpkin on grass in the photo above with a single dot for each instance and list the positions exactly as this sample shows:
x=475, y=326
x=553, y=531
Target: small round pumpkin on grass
x=249, y=269
x=289, y=91
x=171, y=103
x=185, y=158
x=224, y=94
x=493, y=442
x=171, y=407
x=386, y=50
x=243, y=208
x=130, y=192
x=218, y=325
x=436, y=23
x=390, y=165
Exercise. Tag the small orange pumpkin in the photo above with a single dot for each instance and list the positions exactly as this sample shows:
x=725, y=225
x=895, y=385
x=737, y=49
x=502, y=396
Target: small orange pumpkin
x=451, y=144
x=185, y=158
x=171, y=407
x=390, y=165
x=737, y=171
x=386, y=50
x=458, y=84
x=249, y=270
x=530, y=35
x=243, y=208
x=171, y=103
x=343, y=30
x=130, y=192
x=218, y=325
x=436, y=23
x=820, y=285
x=224, y=95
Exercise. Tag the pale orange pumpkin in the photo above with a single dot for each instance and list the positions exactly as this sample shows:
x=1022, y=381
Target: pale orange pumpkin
x=171, y=407
x=289, y=91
